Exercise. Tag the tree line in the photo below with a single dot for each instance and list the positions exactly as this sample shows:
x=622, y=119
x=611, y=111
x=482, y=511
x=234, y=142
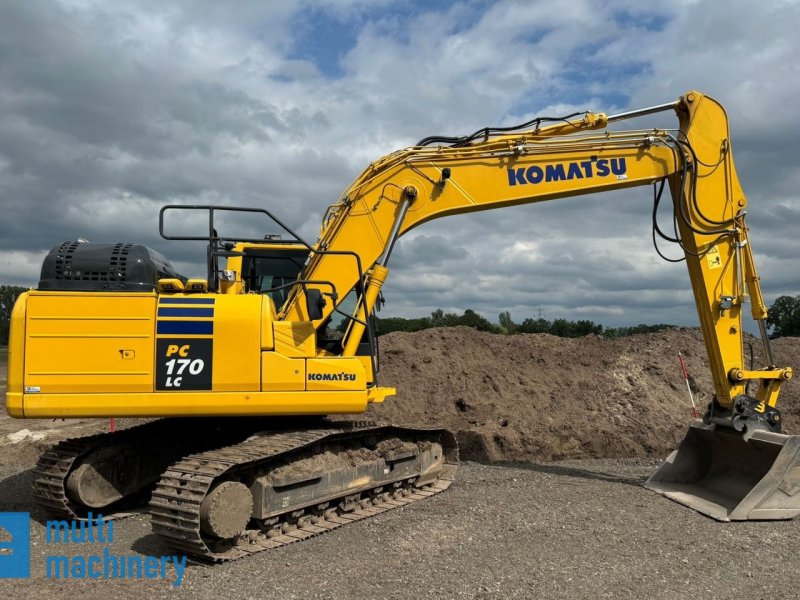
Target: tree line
x=559, y=327
x=783, y=320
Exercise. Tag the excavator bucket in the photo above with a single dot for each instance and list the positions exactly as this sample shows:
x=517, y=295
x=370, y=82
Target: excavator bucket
x=731, y=477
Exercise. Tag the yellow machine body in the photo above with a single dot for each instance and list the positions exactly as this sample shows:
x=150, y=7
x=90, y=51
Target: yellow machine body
x=91, y=354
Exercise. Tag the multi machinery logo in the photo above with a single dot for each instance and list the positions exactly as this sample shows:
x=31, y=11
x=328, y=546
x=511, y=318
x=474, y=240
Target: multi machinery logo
x=79, y=550
x=15, y=545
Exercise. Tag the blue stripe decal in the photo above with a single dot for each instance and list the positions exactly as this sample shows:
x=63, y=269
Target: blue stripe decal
x=185, y=327
x=186, y=300
x=185, y=312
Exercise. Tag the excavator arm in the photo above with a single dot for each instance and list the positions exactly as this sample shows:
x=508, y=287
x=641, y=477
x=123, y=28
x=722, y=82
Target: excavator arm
x=412, y=186
x=734, y=465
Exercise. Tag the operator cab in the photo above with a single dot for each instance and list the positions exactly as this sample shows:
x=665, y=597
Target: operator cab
x=270, y=269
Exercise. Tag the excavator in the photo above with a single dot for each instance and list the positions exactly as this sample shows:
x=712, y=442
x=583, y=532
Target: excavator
x=238, y=375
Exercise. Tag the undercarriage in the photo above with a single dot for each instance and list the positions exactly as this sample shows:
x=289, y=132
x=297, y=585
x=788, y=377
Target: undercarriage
x=220, y=489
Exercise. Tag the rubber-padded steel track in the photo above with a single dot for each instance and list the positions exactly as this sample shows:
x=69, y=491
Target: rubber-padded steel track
x=175, y=505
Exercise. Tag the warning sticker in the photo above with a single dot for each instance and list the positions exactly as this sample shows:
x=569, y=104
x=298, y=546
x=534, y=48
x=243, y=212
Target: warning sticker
x=713, y=258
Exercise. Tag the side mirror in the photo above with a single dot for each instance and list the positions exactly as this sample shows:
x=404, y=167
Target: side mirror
x=314, y=304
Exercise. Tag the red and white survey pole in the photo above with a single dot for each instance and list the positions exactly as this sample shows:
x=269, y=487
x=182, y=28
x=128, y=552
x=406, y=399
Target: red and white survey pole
x=695, y=412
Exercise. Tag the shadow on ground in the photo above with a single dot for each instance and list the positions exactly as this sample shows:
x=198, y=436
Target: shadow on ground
x=152, y=545
x=15, y=495
x=567, y=471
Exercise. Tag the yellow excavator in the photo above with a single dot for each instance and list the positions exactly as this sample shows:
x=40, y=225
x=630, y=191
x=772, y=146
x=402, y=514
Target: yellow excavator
x=240, y=370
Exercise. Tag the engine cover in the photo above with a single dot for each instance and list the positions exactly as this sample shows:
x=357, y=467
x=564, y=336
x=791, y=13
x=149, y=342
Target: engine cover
x=120, y=267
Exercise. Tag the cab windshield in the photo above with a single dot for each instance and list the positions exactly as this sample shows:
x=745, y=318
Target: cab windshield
x=265, y=269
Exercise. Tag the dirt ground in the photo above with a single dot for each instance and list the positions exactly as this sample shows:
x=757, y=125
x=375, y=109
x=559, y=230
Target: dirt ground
x=581, y=527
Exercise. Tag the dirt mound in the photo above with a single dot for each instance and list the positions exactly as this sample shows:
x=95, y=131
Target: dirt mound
x=537, y=396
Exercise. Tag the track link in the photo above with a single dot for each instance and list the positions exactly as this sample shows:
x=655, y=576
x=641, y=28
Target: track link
x=176, y=501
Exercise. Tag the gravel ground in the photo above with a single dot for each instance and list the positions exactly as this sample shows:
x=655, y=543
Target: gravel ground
x=572, y=529
x=577, y=529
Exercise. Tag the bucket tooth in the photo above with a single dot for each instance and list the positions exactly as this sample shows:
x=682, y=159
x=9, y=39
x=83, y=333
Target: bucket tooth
x=733, y=477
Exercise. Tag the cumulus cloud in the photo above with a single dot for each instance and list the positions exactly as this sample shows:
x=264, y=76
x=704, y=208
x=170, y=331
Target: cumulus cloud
x=110, y=110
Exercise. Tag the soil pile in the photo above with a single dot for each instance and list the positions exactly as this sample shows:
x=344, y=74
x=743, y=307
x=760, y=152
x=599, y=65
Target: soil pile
x=541, y=397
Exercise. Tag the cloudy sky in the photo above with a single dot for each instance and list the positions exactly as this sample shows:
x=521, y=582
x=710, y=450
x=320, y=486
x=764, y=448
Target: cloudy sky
x=109, y=110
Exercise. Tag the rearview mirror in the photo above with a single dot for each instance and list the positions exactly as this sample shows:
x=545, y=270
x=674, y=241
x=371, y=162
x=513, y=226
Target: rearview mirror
x=314, y=304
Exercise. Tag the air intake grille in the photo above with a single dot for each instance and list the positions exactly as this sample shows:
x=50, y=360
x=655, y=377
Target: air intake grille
x=66, y=268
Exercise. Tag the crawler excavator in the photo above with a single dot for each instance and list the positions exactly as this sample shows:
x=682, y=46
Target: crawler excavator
x=240, y=370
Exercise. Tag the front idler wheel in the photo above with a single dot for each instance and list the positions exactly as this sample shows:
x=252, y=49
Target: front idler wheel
x=226, y=510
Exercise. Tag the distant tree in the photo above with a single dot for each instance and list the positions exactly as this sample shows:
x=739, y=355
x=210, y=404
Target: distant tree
x=585, y=327
x=437, y=318
x=473, y=319
x=390, y=324
x=784, y=317
x=506, y=324
x=535, y=326
x=561, y=328
x=8, y=296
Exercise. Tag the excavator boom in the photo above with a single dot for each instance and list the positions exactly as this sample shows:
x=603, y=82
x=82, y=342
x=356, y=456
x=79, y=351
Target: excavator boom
x=409, y=187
